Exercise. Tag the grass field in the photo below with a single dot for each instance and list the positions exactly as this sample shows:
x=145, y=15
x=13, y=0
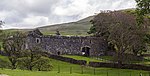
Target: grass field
x=98, y=72
x=76, y=70
x=146, y=60
x=88, y=59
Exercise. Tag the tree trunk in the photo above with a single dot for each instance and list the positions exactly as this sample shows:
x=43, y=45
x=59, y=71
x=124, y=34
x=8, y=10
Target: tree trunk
x=31, y=60
x=30, y=68
x=119, y=59
x=13, y=65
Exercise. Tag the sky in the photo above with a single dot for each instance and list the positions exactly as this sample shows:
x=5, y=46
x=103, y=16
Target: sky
x=37, y=13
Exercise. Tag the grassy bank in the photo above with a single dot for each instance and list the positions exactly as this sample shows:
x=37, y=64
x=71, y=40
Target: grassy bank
x=66, y=69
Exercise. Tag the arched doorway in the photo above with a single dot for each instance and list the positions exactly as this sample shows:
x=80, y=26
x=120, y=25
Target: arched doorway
x=58, y=53
x=86, y=51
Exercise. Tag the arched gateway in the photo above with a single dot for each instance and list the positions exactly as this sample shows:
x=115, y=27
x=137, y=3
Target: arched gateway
x=86, y=51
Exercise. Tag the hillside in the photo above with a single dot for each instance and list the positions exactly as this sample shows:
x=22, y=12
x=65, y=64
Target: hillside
x=80, y=27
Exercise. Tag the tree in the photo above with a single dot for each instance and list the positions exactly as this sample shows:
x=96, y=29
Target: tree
x=30, y=56
x=13, y=46
x=143, y=9
x=33, y=58
x=143, y=14
x=1, y=31
x=1, y=23
x=57, y=32
x=120, y=29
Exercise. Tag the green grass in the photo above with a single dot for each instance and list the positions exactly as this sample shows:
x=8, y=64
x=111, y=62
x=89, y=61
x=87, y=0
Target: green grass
x=4, y=58
x=73, y=28
x=87, y=71
x=67, y=32
x=76, y=70
x=99, y=72
x=146, y=60
x=88, y=59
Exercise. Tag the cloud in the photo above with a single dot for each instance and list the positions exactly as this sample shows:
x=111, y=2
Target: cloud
x=35, y=13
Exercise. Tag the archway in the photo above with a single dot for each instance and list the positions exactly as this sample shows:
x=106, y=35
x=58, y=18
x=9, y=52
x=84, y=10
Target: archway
x=58, y=53
x=86, y=51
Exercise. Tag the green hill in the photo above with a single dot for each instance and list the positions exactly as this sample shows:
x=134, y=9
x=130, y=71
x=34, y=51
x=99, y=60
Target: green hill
x=80, y=27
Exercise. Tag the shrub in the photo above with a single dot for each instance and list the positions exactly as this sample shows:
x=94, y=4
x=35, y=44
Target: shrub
x=43, y=64
x=4, y=64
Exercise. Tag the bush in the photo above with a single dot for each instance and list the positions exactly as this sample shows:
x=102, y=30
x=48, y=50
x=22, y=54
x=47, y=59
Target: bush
x=43, y=64
x=23, y=63
x=4, y=64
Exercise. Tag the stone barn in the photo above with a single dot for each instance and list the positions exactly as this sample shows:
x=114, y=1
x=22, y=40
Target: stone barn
x=74, y=45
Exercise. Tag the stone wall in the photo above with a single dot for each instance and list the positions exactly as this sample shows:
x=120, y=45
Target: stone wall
x=68, y=44
x=66, y=59
x=123, y=66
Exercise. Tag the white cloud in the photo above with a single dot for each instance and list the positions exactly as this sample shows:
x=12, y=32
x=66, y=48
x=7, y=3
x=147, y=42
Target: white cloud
x=35, y=21
x=74, y=8
x=33, y=13
x=84, y=8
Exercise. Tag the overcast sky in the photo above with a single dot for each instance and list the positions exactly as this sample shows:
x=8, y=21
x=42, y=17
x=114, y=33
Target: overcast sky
x=35, y=13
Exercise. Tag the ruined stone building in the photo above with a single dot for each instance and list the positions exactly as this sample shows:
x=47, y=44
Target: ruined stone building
x=74, y=45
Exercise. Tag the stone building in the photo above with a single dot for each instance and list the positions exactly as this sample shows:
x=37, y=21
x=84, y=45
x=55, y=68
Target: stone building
x=74, y=45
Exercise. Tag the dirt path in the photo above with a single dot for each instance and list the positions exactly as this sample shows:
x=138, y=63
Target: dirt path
x=3, y=75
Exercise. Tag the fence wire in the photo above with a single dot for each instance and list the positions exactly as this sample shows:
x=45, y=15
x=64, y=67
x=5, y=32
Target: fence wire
x=100, y=71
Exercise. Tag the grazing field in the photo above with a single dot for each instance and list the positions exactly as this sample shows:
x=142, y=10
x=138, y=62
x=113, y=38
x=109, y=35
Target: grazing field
x=88, y=59
x=66, y=69
x=98, y=72
x=146, y=60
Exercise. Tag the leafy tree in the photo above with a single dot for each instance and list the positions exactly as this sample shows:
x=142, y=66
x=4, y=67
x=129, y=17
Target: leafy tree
x=33, y=59
x=57, y=32
x=143, y=9
x=1, y=23
x=143, y=14
x=120, y=29
x=13, y=45
x=30, y=56
x=1, y=31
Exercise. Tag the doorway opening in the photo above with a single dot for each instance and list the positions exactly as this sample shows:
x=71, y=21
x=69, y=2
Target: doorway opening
x=58, y=53
x=86, y=51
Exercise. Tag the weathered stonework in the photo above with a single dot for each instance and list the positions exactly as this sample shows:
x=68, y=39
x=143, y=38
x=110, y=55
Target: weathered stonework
x=75, y=45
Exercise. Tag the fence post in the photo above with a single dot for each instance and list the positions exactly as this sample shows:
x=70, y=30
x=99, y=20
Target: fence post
x=94, y=71
x=58, y=69
x=118, y=74
x=107, y=72
x=140, y=74
x=130, y=73
x=82, y=69
x=70, y=70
